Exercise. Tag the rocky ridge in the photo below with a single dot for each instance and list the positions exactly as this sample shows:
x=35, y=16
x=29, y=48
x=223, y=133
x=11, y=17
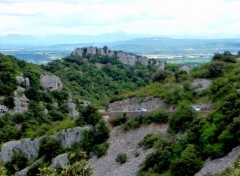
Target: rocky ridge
x=30, y=147
x=124, y=57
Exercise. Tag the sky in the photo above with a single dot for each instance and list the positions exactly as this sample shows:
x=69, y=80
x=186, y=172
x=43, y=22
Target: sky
x=208, y=18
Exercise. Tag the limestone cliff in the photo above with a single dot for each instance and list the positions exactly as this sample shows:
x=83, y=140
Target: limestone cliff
x=67, y=137
x=124, y=57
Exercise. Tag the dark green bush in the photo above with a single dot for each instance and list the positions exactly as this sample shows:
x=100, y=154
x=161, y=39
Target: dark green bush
x=18, y=162
x=49, y=148
x=115, y=121
x=101, y=149
x=121, y=158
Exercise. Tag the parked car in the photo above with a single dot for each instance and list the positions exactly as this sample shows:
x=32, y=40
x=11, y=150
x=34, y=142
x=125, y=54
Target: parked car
x=139, y=109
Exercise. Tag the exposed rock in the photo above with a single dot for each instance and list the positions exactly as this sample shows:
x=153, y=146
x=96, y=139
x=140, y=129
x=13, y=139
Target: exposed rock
x=19, y=91
x=24, y=172
x=185, y=68
x=124, y=57
x=219, y=165
x=27, y=146
x=23, y=80
x=131, y=104
x=21, y=104
x=72, y=112
x=67, y=137
x=3, y=110
x=51, y=82
x=124, y=142
x=60, y=161
x=201, y=84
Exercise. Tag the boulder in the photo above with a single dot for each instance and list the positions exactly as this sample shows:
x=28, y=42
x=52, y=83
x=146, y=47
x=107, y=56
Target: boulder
x=60, y=161
x=51, y=82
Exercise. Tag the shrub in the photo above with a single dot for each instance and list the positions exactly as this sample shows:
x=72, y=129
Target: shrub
x=188, y=163
x=121, y=158
x=101, y=149
x=148, y=141
x=115, y=121
x=49, y=148
x=18, y=162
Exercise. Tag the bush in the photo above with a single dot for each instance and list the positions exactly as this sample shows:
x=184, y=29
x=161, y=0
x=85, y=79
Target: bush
x=188, y=163
x=101, y=149
x=115, y=121
x=121, y=158
x=148, y=141
x=181, y=118
x=49, y=148
x=18, y=162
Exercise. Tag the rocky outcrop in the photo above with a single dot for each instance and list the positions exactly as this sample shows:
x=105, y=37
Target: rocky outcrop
x=26, y=146
x=67, y=137
x=200, y=85
x=60, y=161
x=21, y=104
x=72, y=112
x=219, y=165
x=23, y=80
x=3, y=110
x=51, y=82
x=185, y=68
x=124, y=57
x=130, y=105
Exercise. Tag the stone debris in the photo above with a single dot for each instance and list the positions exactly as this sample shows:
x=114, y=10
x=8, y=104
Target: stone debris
x=124, y=142
x=51, y=82
x=218, y=165
x=124, y=57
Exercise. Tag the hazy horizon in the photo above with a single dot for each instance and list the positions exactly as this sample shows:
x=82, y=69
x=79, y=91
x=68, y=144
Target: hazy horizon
x=213, y=19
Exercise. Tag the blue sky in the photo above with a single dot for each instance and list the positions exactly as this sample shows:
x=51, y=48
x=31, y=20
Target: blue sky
x=209, y=18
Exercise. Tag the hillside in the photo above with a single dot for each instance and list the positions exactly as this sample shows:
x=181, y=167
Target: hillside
x=48, y=115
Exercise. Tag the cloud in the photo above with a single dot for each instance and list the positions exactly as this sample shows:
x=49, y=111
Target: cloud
x=161, y=17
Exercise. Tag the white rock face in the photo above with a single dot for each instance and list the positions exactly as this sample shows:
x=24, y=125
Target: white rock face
x=23, y=80
x=72, y=112
x=124, y=57
x=30, y=147
x=60, y=161
x=21, y=104
x=27, y=146
x=51, y=82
